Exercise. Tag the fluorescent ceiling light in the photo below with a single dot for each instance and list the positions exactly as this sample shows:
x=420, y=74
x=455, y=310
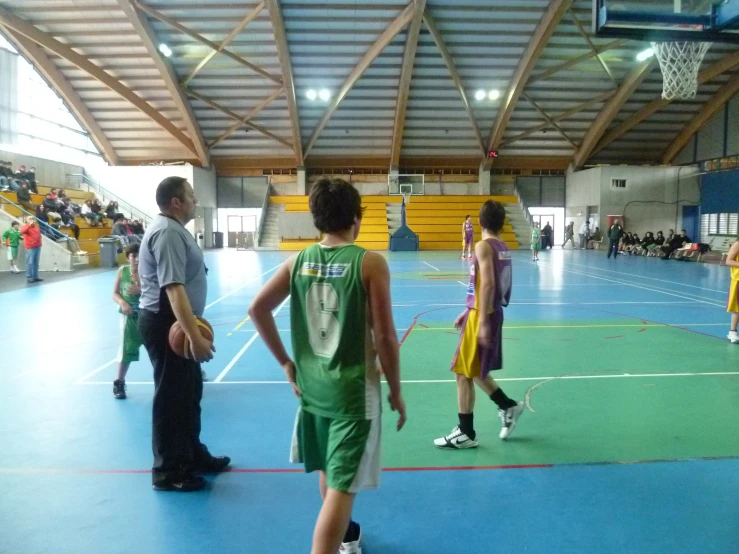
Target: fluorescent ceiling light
x=644, y=55
x=480, y=95
x=311, y=94
x=494, y=94
x=324, y=95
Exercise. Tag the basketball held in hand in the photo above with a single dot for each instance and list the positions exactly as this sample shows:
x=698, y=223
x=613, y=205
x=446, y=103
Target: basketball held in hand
x=179, y=342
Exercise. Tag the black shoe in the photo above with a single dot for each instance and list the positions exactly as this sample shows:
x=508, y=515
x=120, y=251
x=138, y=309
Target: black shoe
x=214, y=464
x=186, y=483
x=119, y=389
x=37, y=280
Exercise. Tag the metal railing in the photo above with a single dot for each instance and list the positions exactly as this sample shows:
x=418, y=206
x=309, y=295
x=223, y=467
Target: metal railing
x=47, y=230
x=263, y=217
x=524, y=207
x=83, y=182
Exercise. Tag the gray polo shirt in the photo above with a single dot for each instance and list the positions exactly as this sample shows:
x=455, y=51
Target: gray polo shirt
x=169, y=254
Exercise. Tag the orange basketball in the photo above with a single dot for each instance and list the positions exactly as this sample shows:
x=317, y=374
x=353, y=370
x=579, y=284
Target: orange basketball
x=179, y=342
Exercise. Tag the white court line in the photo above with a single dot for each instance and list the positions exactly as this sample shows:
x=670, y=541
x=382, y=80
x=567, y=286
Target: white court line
x=421, y=381
x=461, y=283
x=432, y=267
x=630, y=284
x=650, y=278
x=245, y=347
x=250, y=282
x=95, y=371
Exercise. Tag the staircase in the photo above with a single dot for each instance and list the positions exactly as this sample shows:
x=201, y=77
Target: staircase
x=394, y=214
x=520, y=224
x=270, y=237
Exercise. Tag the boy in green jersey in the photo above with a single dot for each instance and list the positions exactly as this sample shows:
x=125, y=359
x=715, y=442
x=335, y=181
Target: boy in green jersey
x=11, y=239
x=126, y=293
x=341, y=322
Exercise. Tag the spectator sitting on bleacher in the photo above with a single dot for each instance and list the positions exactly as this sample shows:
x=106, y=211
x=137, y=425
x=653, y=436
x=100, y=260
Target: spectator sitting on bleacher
x=119, y=226
x=24, y=197
x=29, y=176
x=678, y=241
x=111, y=210
x=67, y=213
x=53, y=194
x=7, y=177
x=626, y=240
x=137, y=227
x=92, y=217
x=96, y=207
x=51, y=206
x=641, y=249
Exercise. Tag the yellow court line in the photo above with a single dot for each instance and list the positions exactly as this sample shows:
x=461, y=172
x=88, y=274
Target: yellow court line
x=559, y=326
x=238, y=326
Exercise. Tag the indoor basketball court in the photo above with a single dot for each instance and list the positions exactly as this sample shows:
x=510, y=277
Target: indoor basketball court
x=630, y=385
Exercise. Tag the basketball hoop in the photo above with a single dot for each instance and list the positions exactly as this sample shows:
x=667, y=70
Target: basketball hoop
x=406, y=198
x=680, y=62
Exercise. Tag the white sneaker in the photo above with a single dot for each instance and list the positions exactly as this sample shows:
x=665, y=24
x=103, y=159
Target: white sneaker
x=733, y=336
x=352, y=547
x=509, y=418
x=456, y=440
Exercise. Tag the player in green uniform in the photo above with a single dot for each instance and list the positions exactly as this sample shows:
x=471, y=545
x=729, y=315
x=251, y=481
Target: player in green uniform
x=341, y=321
x=126, y=293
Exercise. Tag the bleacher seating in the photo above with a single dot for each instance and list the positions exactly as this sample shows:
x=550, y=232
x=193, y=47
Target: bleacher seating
x=437, y=220
x=89, y=235
x=373, y=235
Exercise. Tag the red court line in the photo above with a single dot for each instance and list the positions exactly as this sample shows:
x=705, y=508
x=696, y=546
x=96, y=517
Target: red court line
x=41, y=471
x=616, y=337
x=415, y=320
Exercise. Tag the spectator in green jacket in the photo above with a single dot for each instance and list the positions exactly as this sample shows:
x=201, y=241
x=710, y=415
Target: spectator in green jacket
x=11, y=239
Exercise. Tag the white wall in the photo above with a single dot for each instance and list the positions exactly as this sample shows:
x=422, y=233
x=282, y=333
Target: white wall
x=582, y=194
x=650, y=200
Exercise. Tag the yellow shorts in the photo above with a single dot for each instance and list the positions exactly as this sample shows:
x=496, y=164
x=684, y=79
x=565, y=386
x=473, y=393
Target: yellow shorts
x=472, y=359
x=733, y=304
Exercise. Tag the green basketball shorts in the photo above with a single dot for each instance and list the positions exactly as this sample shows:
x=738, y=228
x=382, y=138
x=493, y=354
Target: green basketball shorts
x=130, y=340
x=347, y=451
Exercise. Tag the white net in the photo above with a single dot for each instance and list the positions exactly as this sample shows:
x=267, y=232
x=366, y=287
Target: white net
x=680, y=62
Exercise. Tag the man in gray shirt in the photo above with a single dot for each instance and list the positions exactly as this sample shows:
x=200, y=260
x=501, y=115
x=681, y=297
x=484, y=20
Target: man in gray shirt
x=174, y=288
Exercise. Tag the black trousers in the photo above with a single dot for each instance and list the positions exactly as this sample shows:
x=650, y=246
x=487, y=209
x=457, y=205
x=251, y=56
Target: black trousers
x=178, y=390
x=613, y=248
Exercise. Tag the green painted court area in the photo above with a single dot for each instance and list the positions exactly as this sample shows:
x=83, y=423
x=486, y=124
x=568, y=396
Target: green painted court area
x=607, y=390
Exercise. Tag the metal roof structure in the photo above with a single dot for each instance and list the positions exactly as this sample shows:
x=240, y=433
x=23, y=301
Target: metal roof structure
x=402, y=79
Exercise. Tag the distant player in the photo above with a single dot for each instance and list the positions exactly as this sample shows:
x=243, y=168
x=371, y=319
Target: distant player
x=126, y=293
x=732, y=260
x=480, y=348
x=468, y=234
x=535, y=242
x=341, y=321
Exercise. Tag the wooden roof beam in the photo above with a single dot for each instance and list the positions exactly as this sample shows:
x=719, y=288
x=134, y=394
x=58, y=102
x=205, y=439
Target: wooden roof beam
x=549, y=120
x=709, y=109
x=283, y=53
x=609, y=112
x=564, y=115
x=722, y=66
x=454, y=74
x=22, y=27
x=385, y=38
x=542, y=34
x=148, y=37
x=585, y=36
x=225, y=42
x=241, y=119
x=409, y=60
x=36, y=55
x=200, y=38
x=238, y=125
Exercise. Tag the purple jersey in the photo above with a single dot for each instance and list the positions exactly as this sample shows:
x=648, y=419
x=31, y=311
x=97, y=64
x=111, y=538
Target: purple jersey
x=468, y=230
x=502, y=273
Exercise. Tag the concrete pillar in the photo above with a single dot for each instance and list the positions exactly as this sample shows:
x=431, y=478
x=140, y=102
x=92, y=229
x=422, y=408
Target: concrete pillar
x=301, y=180
x=484, y=179
x=393, y=178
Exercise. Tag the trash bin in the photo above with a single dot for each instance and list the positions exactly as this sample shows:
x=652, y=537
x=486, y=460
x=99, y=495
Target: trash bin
x=201, y=240
x=108, y=251
x=217, y=239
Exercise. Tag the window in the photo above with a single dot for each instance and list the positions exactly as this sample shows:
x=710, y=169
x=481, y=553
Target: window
x=719, y=224
x=618, y=183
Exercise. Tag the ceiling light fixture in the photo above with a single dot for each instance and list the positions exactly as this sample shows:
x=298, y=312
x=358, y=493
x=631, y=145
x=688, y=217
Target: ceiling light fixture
x=480, y=95
x=311, y=94
x=165, y=50
x=494, y=94
x=324, y=95
x=644, y=55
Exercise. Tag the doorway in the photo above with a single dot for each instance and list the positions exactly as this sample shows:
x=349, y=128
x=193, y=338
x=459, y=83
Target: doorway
x=542, y=220
x=239, y=224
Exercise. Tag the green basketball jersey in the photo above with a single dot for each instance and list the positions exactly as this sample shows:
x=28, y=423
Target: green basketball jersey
x=130, y=292
x=332, y=340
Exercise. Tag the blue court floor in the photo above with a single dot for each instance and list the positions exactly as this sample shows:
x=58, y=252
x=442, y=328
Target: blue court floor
x=629, y=443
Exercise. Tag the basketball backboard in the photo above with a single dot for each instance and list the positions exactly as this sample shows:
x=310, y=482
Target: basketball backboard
x=668, y=20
